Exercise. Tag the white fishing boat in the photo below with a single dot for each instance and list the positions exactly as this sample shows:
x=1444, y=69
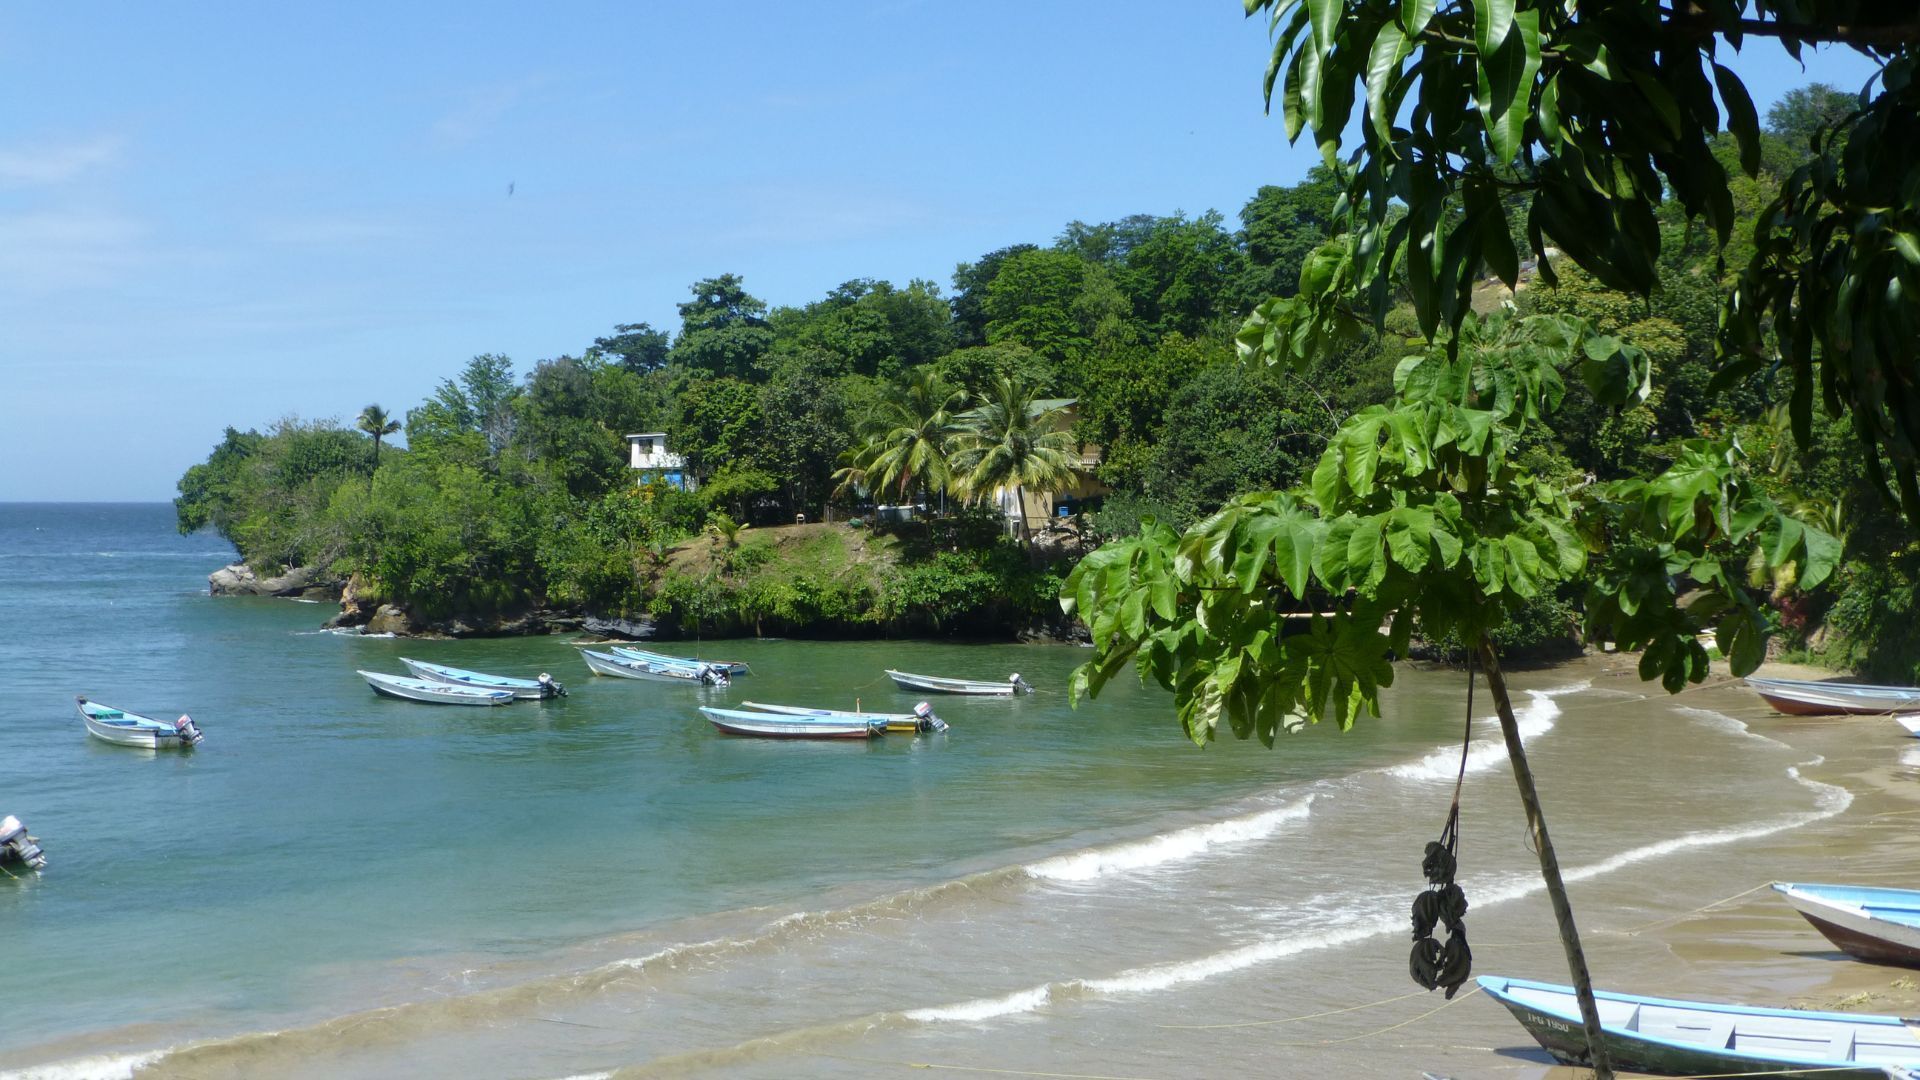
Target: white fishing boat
x=1877, y=925
x=621, y=667
x=525, y=689
x=17, y=847
x=922, y=717
x=731, y=667
x=123, y=728
x=771, y=726
x=936, y=685
x=1911, y=723
x=1798, y=697
x=434, y=693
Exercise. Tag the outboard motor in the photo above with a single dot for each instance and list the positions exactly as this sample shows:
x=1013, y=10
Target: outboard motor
x=714, y=677
x=923, y=712
x=1020, y=685
x=188, y=731
x=16, y=844
x=553, y=689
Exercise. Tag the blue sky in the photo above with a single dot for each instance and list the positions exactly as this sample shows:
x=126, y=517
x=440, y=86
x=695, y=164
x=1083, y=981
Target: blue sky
x=219, y=214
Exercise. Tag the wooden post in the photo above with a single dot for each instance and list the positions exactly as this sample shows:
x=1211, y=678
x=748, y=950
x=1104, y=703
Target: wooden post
x=1549, y=864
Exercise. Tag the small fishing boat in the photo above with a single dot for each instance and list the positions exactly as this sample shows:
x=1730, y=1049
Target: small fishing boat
x=933, y=684
x=17, y=846
x=1691, y=1038
x=130, y=729
x=526, y=689
x=1801, y=698
x=772, y=726
x=731, y=667
x=434, y=693
x=1911, y=723
x=921, y=718
x=622, y=667
x=1881, y=926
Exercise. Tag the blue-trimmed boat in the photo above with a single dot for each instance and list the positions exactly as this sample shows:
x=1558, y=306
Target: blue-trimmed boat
x=773, y=726
x=626, y=667
x=434, y=693
x=123, y=728
x=525, y=689
x=922, y=717
x=1692, y=1038
x=1880, y=926
x=731, y=667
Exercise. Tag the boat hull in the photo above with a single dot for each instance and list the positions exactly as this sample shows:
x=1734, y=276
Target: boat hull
x=934, y=685
x=521, y=689
x=159, y=736
x=1796, y=697
x=771, y=726
x=1880, y=926
x=621, y=668
x=433, y=693
x=731, y=667
x=893, y=721
x=1681, y=1036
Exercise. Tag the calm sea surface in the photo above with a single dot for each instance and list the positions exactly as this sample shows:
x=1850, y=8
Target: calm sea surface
x=338, y=884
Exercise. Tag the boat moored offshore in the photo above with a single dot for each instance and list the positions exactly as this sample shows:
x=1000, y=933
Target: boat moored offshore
x=123, y=728
x=434, y=693
x=525, y=689
x=906, y=680
x=17, y=846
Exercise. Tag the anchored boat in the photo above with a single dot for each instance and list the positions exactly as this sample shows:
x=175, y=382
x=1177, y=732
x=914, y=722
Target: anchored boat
x=434, y=693
x=131, y=729
x=526, y=689
x=731, y=667
x=1799, y=697
x=1691, y=1038
x=936, y=685
x=17, y=846
x=622, y=667
x=921, y=718
x=1881, y=926
x=773, y=726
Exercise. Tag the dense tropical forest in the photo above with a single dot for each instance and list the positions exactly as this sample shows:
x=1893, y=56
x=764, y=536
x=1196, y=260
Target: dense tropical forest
x=513, y=491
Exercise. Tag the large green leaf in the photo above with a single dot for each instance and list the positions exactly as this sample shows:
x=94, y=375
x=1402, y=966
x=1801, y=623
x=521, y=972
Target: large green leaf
x=1492, y=19
x=1390, y=49
x=1506, y=72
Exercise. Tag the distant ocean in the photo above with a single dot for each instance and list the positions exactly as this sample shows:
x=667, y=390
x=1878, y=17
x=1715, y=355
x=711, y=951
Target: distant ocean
x=335, y=884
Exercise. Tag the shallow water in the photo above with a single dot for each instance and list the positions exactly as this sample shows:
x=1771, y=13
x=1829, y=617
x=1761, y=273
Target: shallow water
x=603, y=884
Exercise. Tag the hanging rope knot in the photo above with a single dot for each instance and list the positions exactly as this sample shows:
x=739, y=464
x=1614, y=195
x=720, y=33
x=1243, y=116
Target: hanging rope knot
x=1443, y=903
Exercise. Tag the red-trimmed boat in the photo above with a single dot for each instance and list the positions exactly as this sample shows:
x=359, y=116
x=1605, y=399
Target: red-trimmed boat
x=1799, y=697
x=1880, y=926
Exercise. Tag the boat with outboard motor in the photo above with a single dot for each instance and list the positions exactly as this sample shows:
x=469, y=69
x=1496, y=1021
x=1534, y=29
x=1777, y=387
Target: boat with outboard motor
x=123, y=728
x=434, y=693
x=1881, y=926
x=622, y=667
x=731, y=667
x=17, y=846
x=922, y=717
x=936, y=685
x=1799, y=697
x=524, y=689
x=1692, y=1038
x=774, y=726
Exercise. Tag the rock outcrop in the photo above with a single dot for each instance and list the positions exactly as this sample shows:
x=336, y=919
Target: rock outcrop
x=305, y=582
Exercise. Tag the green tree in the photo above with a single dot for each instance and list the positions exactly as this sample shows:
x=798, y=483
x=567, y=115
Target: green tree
x=479, y=402
x=375, y=422
x=637, y=346
x=1279, y=228
x=1182, y=275
x=723, y=331
x=557, y=426
x=1030, y=302
x=716, y=424
x=1013, y=440
x=905, y=443
x=970, y=284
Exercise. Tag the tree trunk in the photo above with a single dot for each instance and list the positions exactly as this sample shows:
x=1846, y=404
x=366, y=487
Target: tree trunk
x=1026, y=536
x=1549, y=864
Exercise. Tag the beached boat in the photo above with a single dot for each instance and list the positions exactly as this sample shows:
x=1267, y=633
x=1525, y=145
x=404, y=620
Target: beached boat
x=17, y=847
x=1801, y=698
x=773, y=726
x=936, y=685
x=1878, y=925
x=1691, y=1038
x=731, y=667
x=434, y=693
x=130, y=729
x=922, y=717
x=526, y=689
x=1911, y=723
x=622, y=667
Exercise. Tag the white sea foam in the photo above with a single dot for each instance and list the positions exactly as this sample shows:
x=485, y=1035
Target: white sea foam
x=1535, y=719
x=1829, y=800
x=103, y=1067
x=1725, y=723
x=1911, y=757
x=1168, y=847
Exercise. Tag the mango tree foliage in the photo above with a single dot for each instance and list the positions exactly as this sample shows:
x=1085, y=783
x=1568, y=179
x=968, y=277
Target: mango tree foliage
x=1587, y=118
x=1417, y=519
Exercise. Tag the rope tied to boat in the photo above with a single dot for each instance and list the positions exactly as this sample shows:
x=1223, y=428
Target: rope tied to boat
x=1442, y=903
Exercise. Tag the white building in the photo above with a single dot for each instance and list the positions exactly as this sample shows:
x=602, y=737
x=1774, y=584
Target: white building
x=647, y=454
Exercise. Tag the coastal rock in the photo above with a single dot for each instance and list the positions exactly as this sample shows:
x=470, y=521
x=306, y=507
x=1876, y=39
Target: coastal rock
x=240, y=580
x=391, y=619
x=630, y=629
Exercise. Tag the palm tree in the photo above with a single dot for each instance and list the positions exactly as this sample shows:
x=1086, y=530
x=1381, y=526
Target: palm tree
x=1011, y=440
x=374, y=421
x=905, y=440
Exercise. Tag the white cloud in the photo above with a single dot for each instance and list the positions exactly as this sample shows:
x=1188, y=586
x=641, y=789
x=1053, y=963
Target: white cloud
x=56, y=163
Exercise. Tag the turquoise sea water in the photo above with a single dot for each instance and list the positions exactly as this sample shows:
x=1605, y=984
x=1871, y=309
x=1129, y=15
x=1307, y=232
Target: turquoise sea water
x=325, y=850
